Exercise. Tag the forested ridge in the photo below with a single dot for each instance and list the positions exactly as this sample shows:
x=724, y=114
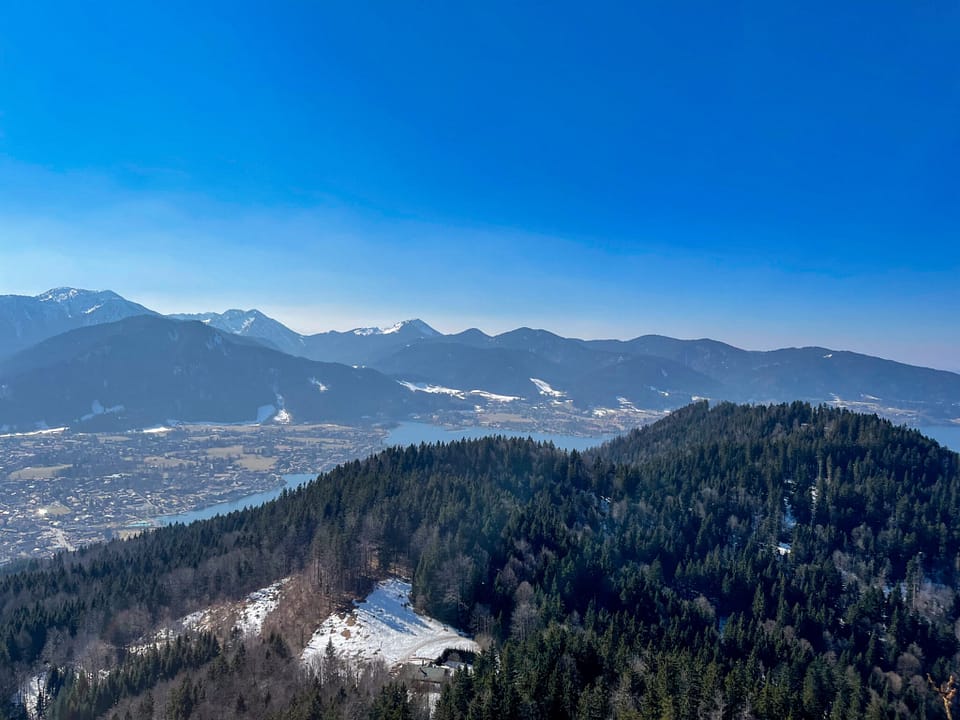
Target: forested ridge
x=726, y=562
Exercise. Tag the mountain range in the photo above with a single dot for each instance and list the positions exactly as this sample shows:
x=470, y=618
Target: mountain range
x=94, y=359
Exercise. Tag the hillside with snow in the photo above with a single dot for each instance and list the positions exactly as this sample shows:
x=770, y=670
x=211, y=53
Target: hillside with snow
x=385, y=627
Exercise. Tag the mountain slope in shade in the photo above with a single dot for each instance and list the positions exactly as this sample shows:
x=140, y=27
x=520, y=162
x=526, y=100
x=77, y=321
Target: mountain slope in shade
x=149, y=369
x=650, y=372
x=25, y=321
x=497, y=370
x=585, y=378
x=363, y=346
x=814, y=374
x=360, y=346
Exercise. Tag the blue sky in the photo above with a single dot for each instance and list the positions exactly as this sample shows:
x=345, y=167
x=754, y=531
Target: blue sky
x=767, y=174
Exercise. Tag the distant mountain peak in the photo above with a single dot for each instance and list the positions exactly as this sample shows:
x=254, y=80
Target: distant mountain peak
x=59, y=294
x=252, y=324
x=26, y=320
x=414, y=326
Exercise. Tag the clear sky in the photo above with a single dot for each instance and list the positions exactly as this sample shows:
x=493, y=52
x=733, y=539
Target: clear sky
x=765, y=173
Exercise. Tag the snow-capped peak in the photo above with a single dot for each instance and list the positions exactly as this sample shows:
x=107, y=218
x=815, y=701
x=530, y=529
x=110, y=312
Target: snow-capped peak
x=59, y=295
x=395, y=328
x=418, y=326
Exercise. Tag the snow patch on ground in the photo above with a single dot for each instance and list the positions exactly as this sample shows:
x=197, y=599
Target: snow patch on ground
x=58, y=295
x=29, y=693
x=384, y=626
x=43, y=431
x=397, y=327
x=97, y=408
x=247, y=616
x=783, y=548
x=257, y=606
x=319, y=385
x=544, y=388
x=433, y=389
x=493, y=397
x=454, y=392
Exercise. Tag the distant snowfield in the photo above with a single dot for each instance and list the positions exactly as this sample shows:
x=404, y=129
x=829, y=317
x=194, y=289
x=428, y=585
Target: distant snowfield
x=432, y=389
x=42, y=431
x=543, y=387
x=454, y=392
x=493, y=397
x=384, y=626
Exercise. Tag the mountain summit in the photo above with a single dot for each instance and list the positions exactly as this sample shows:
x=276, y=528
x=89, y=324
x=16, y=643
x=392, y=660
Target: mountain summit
x=253, y=324
x=25, y=321
x=414, y=327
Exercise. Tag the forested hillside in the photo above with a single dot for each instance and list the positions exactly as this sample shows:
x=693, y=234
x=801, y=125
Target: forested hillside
x=733, y=562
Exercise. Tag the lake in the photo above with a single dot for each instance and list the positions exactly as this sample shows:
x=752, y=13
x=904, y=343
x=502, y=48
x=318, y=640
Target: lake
x=289, y=482
x=414, y=433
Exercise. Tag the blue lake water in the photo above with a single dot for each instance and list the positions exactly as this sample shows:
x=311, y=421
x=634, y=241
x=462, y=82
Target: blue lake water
x=946, y=435
x=414, y=433
x=290, y=481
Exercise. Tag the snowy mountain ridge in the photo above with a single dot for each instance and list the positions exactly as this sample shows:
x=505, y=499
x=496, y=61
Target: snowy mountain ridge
x=413, y=325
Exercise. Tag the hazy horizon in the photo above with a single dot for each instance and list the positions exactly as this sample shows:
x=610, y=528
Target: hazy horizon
x=765, y=176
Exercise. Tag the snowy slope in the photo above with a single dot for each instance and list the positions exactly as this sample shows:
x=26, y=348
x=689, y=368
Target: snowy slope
x=385, y=626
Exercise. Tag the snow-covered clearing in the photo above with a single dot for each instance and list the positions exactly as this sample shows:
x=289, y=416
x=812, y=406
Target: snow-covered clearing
x=41, y=431
x=543, y=387
x=454, y=392
x=384, y=626
x=493, y=397
x=432, y=389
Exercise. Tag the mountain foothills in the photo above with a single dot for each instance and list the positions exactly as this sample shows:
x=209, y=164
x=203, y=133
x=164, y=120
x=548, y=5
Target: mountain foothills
x=726, y=562
x=213, y=367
